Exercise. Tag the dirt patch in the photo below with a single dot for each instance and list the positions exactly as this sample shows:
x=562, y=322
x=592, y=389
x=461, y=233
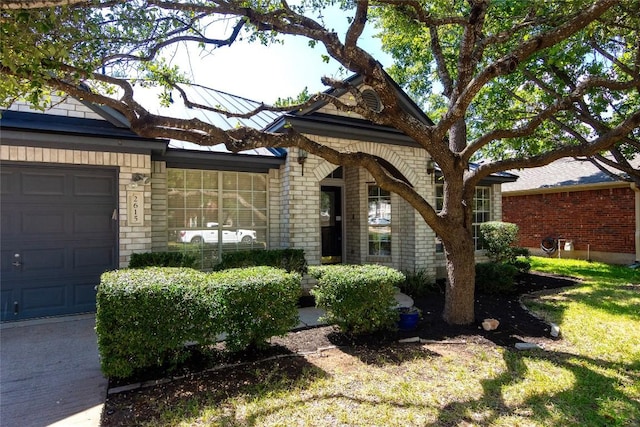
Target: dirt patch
x=215, y=373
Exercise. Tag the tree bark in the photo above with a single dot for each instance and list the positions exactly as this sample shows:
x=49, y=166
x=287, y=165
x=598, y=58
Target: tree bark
x=461, y=274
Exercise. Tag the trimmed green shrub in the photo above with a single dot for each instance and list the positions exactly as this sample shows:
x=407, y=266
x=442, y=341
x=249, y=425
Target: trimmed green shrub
x=286, y=259
x=144, y=317
x=256, y=304
x=162, y=259
x=495, y=278
x=358, y=298
x=498, y=239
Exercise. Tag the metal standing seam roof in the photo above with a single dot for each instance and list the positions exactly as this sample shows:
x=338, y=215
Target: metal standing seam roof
x=220, y=100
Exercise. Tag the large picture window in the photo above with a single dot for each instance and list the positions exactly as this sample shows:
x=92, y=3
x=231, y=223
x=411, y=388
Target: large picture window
x=379, y=221
x=481, y=212
x=210, y=212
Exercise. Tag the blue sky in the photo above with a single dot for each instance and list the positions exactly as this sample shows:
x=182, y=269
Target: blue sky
x=265, y=73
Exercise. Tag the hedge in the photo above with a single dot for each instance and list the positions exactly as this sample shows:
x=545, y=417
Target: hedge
x=358, y=298
x=145, y=317
x=162, y=259
x=256, y=304
x=287, y=259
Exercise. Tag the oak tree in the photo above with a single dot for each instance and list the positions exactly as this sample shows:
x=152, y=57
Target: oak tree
x=519, y=82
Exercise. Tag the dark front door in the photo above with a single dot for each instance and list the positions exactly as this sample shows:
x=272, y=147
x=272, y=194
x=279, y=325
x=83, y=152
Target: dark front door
x=59, y=233
x=331, y=224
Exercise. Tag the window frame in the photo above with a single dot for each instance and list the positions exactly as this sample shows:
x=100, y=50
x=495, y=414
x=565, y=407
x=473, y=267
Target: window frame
x=487, y=206
x=381, y=246
x=237, y=202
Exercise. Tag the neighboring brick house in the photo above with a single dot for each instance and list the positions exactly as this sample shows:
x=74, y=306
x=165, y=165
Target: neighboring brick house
x=594, y=216
x=81, y=193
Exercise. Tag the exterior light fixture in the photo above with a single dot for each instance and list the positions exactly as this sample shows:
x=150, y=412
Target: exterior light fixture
x=431, y=166
x=302, y=157
x=138, y=179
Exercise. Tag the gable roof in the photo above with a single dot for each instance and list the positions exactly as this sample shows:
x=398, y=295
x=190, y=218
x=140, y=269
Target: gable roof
x=566, y=173
x=356, y=80
x=311, y=120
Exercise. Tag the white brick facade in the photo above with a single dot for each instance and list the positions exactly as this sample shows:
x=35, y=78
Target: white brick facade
x=60, y=106
x=293, y=198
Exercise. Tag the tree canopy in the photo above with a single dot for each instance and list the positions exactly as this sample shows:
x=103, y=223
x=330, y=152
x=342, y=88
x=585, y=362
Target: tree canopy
x=594, y=73
x=518, y=83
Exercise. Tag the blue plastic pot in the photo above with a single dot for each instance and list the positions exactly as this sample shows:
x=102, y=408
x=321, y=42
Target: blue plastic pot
x=408, y=321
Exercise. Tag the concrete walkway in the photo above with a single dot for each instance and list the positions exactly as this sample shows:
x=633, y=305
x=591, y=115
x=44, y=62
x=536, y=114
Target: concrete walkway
x=50, y=370
x=50, y=373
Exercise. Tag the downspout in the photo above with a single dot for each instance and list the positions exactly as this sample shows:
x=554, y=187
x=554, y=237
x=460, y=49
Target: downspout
x=636, y=190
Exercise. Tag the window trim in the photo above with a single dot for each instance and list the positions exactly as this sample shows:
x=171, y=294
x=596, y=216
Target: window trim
x=174, y=228
x=379, y=198
x=439, y=200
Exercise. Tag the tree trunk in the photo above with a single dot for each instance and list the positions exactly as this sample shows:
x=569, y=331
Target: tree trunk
x=461, y=274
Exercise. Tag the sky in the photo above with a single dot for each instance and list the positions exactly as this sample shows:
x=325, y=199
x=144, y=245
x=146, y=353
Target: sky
x=266, y=73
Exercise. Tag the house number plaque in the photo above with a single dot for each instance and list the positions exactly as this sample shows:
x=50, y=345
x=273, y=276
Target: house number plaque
x=135, y=208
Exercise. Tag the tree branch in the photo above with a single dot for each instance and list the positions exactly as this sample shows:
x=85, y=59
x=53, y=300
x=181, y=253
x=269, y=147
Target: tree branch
x=510, y=62
x=153, y=50
x=39, y=4
x=357, y=26
x=420, y=15
x=603, y=142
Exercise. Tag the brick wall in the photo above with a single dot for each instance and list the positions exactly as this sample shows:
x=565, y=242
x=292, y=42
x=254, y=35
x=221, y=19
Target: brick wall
x=60, y=106
x=603, y=219
x=159, y=209
x=413, y=242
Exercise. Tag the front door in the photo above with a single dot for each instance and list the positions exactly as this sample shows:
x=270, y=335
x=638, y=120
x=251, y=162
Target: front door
x=331, y=224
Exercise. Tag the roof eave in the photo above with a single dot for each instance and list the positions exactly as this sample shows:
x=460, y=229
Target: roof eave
x=567, y=188
x=189, y=159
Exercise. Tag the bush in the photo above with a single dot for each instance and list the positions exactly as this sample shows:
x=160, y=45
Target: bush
x=495, y=278
x=162, y=259
x=498, y=238
x=145, y=317
x=286, y=259
x=418, y=284
x=256, y=304
x=358, y=298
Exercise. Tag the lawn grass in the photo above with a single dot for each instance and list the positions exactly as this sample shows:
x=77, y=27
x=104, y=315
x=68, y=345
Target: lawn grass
x=589, y=378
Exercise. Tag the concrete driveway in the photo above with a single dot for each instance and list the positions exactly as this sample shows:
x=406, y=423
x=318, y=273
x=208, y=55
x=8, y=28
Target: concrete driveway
x=50, y=373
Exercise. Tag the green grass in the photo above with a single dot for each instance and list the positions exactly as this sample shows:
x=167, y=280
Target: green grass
x=590, y=378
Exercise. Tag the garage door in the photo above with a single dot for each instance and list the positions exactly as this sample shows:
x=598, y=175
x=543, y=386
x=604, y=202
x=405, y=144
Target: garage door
x=58, y=235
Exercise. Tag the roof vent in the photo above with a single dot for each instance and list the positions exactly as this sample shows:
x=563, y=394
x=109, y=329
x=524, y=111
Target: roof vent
x=372, y=100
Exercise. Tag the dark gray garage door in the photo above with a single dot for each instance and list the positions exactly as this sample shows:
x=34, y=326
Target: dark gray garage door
x=58, y=235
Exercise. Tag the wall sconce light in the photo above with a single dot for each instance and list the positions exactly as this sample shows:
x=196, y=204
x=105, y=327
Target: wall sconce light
x=431, y=166
x=302, y=157
x=138, y=179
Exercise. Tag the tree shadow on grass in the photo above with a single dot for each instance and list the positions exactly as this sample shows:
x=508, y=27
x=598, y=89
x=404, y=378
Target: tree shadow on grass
x=393, y=354
x=596, y=398
x=614, y=299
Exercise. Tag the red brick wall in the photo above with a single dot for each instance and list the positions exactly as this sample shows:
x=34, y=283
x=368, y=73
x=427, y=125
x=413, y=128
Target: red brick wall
x=604, y=219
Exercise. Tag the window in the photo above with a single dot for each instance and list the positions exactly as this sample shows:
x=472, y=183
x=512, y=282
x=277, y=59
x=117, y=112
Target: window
x=211, y=212
x=379, y=222
x=481, y=212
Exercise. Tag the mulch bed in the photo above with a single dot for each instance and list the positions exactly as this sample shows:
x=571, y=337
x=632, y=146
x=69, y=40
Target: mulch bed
x=516, y=325
x=217, y=373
